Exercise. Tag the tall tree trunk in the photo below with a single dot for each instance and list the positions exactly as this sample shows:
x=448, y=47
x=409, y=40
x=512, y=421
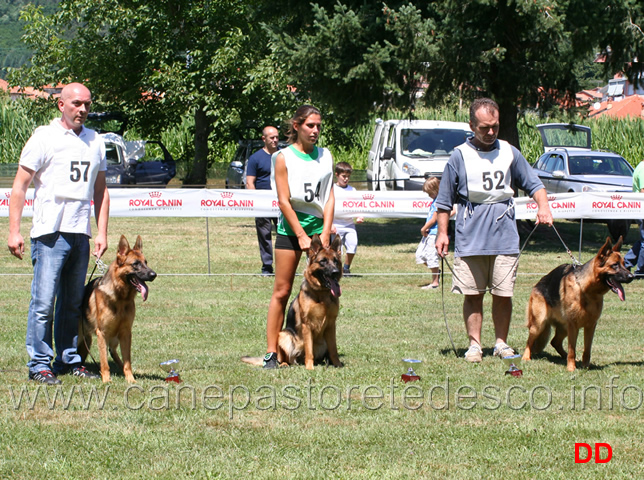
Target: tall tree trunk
x=508, y=129
x=198, y=173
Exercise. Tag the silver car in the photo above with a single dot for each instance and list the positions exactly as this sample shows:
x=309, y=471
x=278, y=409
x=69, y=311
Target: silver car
x=570, y=165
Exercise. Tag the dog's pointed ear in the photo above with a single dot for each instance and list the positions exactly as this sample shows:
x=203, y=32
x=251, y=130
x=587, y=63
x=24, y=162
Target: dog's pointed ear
x=138, y=245
x=618, y=246
x=124, y=245
x=316, y=245
x=123, y=248
x=605, y=250
x=336, y=244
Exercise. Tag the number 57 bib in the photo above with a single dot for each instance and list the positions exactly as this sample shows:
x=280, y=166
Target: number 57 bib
x=76, y=164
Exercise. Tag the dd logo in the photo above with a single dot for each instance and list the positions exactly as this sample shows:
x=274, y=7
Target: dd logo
x=588, y=455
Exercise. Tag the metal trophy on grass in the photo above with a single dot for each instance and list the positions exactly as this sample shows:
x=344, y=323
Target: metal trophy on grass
x=173, y=375
x=512, y=362
x=410, y=375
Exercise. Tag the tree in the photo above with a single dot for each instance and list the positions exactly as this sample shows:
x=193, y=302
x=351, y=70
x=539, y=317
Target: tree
x=158, y=60
x=521, y=53
x=524, y=54
x=356, y=59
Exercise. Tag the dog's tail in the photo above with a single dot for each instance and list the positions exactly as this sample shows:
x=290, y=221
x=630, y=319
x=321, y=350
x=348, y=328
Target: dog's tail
x=257, y=361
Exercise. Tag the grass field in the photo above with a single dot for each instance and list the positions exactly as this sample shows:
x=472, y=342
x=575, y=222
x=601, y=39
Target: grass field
x=230, y=420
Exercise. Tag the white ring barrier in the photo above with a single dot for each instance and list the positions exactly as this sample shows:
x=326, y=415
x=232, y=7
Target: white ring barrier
x=178, y=202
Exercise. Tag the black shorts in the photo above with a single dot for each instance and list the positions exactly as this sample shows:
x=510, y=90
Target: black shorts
x=287, y=242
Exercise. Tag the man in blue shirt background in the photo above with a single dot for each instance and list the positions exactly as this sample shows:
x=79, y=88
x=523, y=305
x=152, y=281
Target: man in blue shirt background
x=258, y=177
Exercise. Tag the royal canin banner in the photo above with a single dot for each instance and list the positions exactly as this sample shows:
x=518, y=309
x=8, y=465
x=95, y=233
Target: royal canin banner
x=172, y=202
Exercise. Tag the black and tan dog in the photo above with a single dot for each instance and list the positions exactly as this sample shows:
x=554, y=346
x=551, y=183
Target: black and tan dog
x=108, y=307
x=571, y=298
x=309, y=334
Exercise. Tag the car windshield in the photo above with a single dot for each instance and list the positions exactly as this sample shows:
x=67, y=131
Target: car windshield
x=430, y=142
x=112, y=155
x=596, y=165
x=565, y=136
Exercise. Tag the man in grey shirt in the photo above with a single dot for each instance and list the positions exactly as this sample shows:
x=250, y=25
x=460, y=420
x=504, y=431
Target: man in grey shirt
x=480, y=178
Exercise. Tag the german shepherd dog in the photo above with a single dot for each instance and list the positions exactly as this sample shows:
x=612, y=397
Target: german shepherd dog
x=570, y=298
x=108, y=307
x=310, y=322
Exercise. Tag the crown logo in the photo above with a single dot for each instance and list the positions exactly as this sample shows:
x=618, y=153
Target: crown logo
x=616, y=197
x=552, y=198
x=155, y=194
x=7, y=194
x=226, y=194
x=368, y=196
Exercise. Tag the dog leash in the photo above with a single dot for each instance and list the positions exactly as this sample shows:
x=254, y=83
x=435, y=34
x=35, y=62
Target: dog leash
x=444, y=261
x=575, y=264
x=516, y=261
x=102, y=268
x=449, y=333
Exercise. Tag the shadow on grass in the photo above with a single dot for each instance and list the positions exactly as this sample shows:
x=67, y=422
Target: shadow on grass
x=116, y=371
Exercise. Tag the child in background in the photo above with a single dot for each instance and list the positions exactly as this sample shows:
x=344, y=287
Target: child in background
x=344, y=227
x=426, y=251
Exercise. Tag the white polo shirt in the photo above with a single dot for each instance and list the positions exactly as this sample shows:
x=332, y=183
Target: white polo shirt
x=66, y=167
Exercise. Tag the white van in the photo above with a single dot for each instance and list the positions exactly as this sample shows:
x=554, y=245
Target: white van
x=405, y=152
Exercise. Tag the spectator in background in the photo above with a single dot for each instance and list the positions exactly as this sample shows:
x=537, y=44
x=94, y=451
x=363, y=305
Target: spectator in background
x=635, y=256
x=426, y=251
x=344, y=227
x=258, y=177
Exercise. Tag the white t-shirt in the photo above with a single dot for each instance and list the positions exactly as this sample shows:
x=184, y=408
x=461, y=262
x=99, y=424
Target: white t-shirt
x=66, y=167
x=343, y=222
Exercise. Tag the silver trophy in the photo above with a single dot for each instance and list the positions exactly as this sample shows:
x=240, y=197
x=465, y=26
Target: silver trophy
x=512, y=363
x=410, y=374
x=169, y=367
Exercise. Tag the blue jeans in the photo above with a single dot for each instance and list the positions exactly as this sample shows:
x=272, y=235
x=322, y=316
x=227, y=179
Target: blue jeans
x=635, y=256
x=60, y=269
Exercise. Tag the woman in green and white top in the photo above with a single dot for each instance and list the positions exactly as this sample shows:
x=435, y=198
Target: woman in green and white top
x=302, y=175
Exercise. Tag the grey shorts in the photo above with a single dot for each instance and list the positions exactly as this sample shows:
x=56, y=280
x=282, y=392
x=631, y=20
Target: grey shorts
x=472, y=275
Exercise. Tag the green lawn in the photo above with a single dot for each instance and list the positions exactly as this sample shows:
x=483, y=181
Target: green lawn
x=230, y=420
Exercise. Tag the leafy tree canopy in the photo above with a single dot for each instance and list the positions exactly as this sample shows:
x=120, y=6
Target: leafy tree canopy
x=521, y=53
x=227, y=61
x=158, y=60
x=14, y=53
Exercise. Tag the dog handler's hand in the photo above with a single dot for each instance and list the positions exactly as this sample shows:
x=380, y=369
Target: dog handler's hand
x=16, y=245
x=544, y=215
x=100, y=246
x=442, y=242
x=304, y=241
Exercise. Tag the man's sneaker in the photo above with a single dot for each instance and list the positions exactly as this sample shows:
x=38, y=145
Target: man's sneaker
x=267, y=271
x=83, y=372
x=474, y=354
x=502, y=349
x=270, y=360
x=346, y=270
x=44, y=376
